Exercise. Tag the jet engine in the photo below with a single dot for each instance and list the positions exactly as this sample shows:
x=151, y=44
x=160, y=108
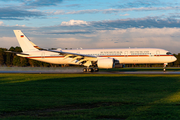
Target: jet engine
x=109, y=63
x=105, y=63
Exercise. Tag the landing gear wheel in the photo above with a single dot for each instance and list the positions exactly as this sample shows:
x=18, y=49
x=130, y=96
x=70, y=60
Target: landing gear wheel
x=95, y=69
x=90, y=70
x=85, y=70
x=164, y=70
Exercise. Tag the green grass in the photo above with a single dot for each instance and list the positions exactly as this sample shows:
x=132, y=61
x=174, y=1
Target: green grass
x=89, y=96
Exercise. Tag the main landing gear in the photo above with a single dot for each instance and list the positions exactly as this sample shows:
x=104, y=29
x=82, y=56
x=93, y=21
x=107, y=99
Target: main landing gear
x=90, y=69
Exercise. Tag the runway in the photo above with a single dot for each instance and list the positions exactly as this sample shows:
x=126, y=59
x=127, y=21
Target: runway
x=72, y=70
x=56, y=72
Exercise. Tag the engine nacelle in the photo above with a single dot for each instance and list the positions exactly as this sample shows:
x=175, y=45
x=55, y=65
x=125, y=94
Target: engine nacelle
x=105, y=63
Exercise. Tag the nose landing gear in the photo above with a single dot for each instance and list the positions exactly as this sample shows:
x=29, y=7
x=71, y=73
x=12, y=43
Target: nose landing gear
x=164, y=68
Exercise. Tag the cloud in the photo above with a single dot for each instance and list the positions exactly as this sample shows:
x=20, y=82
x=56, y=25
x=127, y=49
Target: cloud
x=7, y=42
x=25, y=9
x=69, y=39
x=147, y=22
x=18, y=14
x=84, y=11
x=138, y=3
x=20, y=25
x=41, y=3
x=73, y=5
x=29, y=4
x=74, y=22
x=1, y=23
x=80, y=26
x=146, y=3
x=109, y=11
x=70, y=32
x=166, y=38
x=87, y=37
x=124, y=15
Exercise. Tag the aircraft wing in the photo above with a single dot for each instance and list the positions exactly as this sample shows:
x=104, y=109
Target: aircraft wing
x=76, y=54
x=81, y=59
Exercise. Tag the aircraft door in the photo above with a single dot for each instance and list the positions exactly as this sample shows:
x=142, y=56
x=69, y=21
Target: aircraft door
x=157, y=53
x=125, y=53
x=42, y=55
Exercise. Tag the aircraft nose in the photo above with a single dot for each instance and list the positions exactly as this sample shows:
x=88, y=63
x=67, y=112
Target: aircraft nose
x=174, y=58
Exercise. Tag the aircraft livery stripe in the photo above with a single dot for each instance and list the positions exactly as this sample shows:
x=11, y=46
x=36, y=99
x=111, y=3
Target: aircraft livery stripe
x=102, y=56
x=124, y=56
x=46, y=57
x=132, y=55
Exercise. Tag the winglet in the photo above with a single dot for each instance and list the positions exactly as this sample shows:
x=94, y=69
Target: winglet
x=24, y=42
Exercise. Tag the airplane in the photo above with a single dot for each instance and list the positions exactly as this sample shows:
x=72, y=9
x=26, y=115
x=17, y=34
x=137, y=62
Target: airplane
x=93, y=59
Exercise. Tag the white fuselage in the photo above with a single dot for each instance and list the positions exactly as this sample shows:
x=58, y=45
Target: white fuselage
x=124, y=56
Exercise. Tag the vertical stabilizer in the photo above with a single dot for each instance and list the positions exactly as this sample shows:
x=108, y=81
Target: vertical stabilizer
x=24, y=42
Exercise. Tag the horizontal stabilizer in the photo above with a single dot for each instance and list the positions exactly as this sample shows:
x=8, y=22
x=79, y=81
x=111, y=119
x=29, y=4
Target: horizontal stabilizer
x=20, y=53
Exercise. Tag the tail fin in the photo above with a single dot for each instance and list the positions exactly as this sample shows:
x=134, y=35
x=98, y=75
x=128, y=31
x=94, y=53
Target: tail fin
x=24, y=42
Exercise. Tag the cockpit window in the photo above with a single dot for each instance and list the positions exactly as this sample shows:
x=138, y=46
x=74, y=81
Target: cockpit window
x=168, y=53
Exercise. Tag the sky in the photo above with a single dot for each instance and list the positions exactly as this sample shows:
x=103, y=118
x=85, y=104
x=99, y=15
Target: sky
x=92, y=23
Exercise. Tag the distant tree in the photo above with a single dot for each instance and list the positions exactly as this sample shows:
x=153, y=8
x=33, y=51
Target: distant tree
x=16, y=61
x=24, y=62
x=17, y=49
x=2, y=56
x=177, y=62
x=34, y=63
x=11, y=49
x=9, y=57
x=46, y=64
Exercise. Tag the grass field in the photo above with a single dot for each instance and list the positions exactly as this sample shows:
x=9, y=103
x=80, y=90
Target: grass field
x=89, y=96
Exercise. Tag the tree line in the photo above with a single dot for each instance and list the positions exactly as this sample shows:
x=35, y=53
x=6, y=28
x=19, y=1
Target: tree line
x=11, y=59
